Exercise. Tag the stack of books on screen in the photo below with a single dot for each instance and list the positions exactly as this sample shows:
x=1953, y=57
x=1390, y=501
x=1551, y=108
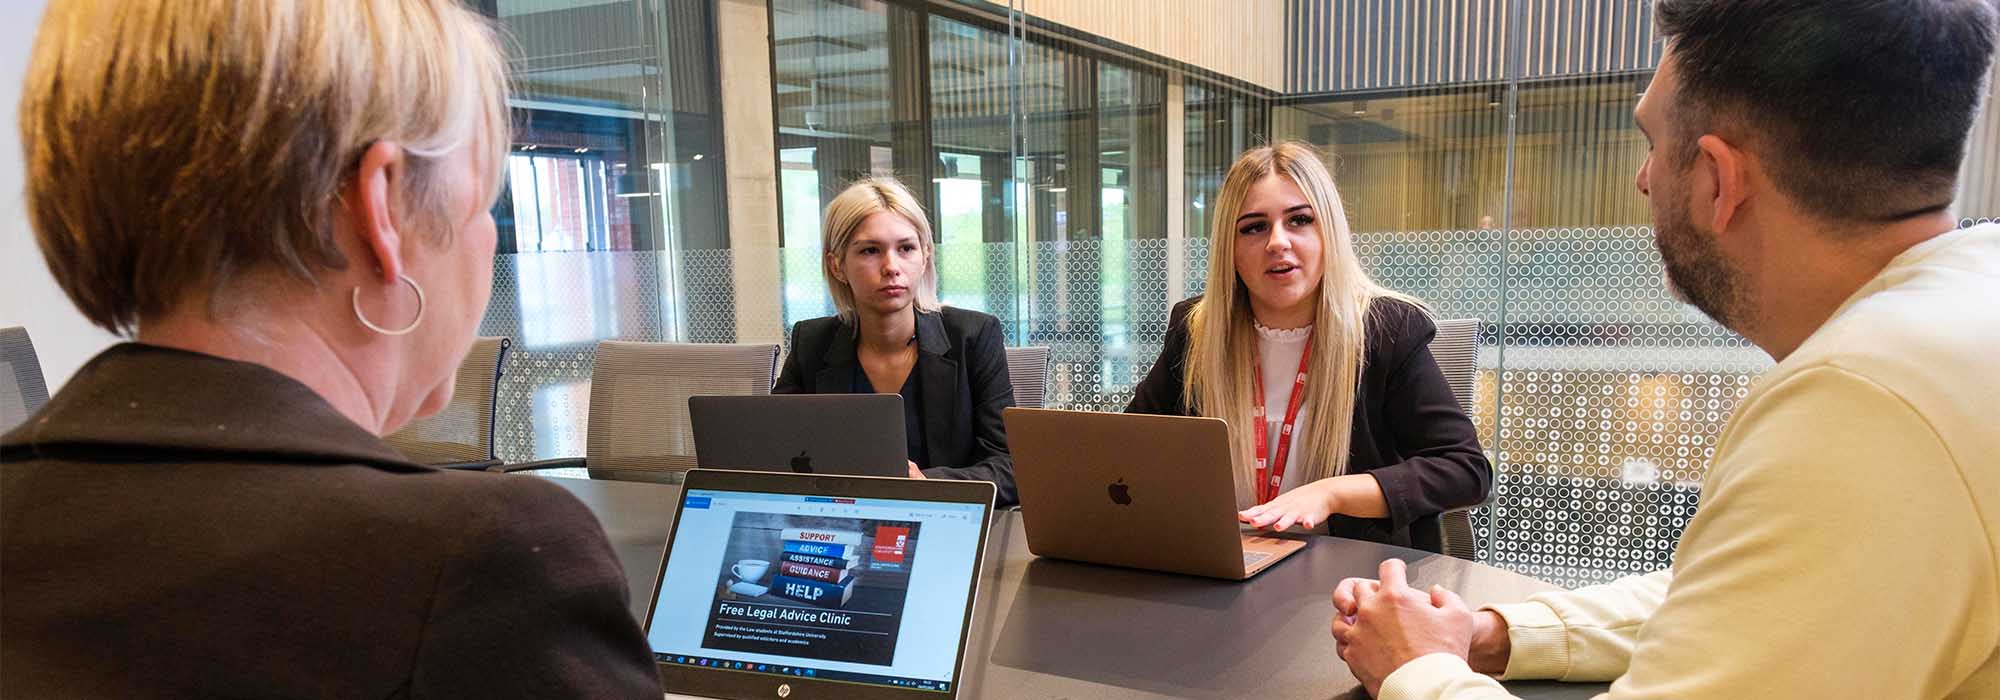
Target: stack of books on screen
x=817, y=566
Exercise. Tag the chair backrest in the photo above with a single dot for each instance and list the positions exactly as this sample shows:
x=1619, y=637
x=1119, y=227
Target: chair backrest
x=463, y=431
x=22, y=391
x=639, y=429
x=1028, y=369
x=1456, y=349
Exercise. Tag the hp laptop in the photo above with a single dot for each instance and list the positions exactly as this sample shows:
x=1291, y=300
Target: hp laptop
x=856, y=434
x=1149, y=492
x=780, y=585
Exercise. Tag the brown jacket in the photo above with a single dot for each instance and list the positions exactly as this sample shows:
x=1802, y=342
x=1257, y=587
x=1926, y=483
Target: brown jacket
x=174, y=524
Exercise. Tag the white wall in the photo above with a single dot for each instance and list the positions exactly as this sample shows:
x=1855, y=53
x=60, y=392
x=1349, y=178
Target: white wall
x=28, y=295
x=1979, y=178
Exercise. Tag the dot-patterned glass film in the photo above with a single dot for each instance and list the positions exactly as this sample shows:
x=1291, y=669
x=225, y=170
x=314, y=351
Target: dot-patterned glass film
x=1612, y=395
x=555, y=307
x=1504, y=194
x=1599, y=397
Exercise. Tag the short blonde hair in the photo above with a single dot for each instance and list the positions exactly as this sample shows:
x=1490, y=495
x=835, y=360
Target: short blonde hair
x=176, y=146
x=843, y=216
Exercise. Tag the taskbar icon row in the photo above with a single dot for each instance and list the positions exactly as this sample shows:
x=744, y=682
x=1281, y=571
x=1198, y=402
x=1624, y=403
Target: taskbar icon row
x=731, y=665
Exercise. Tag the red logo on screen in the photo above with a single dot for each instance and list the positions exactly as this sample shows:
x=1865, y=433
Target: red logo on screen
x=890, y=543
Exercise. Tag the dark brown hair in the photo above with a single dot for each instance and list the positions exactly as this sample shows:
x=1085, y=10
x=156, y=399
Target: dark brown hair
x=1860, y=107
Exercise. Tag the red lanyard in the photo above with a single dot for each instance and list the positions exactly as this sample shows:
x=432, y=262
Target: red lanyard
x=1269, y=476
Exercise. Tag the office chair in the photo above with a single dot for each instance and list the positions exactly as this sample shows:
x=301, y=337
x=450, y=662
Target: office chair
x=1456, y=349
x=22, y=391
x=1028, y=369
x=638, y=418
x=461, y=435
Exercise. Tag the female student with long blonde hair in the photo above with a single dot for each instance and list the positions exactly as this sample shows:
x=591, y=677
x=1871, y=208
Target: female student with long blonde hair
x=892, y=336
x=1338, y=415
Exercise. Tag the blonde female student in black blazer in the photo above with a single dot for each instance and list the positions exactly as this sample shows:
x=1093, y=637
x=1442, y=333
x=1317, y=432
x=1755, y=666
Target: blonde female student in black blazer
x=892, y=336
x=1323, y=375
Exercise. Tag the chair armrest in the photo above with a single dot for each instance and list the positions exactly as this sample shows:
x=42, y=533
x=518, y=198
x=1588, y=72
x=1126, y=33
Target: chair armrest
x=557, y=463
x=651, y=476
x=481, y=465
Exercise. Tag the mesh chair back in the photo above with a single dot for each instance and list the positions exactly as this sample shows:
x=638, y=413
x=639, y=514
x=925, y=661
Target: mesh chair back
x=1456, y=349
x=463, y=431
x=22, y=392
x=1028, y=369
x=639, y=429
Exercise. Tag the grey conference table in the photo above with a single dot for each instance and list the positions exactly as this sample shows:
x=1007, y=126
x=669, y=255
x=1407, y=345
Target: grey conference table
x=1054, y=629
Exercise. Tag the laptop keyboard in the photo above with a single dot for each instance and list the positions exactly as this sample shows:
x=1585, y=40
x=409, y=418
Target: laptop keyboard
x=1251, y=559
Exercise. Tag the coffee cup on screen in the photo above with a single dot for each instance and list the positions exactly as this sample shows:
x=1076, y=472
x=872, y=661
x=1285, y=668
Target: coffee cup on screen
x=750, y=570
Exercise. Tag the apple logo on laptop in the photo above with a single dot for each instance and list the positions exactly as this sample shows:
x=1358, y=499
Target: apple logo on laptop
x=802, y=464
x=1120, y=493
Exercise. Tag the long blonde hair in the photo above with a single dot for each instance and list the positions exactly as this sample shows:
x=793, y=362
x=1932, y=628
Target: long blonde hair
x=843, y=216
x=1222, y=340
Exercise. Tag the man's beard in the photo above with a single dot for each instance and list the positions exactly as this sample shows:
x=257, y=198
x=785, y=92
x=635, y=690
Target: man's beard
x=1695, y=265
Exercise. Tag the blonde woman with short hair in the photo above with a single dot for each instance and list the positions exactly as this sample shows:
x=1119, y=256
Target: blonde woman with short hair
x=891, y=336
x=1309, y=359
x=285, y=205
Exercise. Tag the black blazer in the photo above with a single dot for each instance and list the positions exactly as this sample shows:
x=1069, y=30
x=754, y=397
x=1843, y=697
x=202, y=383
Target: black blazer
x=182, y=525
x=1409, y=431
x=962, y=374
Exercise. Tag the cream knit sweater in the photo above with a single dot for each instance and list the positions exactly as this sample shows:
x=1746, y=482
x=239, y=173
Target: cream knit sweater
x=1849, y=529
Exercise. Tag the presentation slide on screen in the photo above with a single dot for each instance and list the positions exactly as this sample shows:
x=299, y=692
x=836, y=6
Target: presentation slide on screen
x=785, y=579
x=827, y=588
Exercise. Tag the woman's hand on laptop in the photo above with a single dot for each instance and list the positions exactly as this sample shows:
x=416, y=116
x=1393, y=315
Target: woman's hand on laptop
x=1307, y=505
x=915, y=473
x=1359, y=495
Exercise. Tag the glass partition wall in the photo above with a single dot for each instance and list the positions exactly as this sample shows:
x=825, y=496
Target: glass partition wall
x=1041, y=163
x=673, y=158
x=614, y=179
x=1488, y=166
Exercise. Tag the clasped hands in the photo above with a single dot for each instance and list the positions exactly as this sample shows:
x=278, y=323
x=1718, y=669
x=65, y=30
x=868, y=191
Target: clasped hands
x=1379, y=625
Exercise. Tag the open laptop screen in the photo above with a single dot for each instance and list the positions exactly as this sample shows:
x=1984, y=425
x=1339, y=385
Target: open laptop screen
x=854, y=590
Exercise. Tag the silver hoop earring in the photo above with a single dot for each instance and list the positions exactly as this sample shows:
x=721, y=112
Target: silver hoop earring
x=358, y=316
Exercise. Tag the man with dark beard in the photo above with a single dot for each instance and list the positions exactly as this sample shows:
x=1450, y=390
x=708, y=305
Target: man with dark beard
x=1804, y=157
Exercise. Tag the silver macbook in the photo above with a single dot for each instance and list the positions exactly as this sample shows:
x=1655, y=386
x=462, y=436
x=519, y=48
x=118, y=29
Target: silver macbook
x=802, y=586
x=1111, y=488
x=856, y=434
